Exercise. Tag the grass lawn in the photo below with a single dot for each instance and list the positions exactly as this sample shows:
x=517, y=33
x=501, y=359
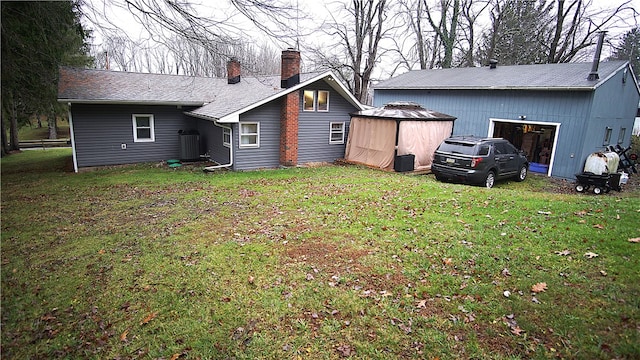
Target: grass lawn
x=318, y=263
x=35, y=133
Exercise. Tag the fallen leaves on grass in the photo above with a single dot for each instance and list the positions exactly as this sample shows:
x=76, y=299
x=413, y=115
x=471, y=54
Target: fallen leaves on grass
x=344, y=350
x=635, y=240
x=123, y=336
x=598, y=226
x=539, y=287
x=510, y=321
x=149, y=318
x=422, y=304
x=590, y=255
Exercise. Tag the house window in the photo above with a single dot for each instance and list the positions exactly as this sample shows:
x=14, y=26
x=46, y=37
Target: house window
x=607, y=136
x=226, y=137
x=336, y=133
x=623, y=132
x=143, y=129
x=250, y=135
x=323, y=100
x=309, y=102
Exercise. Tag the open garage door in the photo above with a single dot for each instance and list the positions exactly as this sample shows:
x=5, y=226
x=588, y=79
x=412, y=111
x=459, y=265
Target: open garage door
x=537, y=139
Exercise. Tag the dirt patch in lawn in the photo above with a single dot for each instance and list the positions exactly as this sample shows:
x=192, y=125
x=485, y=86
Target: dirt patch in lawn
x=342, y=264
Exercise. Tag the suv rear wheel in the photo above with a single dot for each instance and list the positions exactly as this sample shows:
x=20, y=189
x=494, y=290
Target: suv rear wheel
x=490, y=180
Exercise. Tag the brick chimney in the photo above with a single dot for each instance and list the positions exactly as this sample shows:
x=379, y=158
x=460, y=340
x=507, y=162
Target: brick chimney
x=233, y=71
x=290, y=108
x=290, y=75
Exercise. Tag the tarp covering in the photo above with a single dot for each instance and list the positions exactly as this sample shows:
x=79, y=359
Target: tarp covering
x=372, y=134
x=371, y=142
x=421, y=138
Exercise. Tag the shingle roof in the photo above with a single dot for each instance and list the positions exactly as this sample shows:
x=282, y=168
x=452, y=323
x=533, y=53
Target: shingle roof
x=215, y=96
x=568, y=76
x=88, y=85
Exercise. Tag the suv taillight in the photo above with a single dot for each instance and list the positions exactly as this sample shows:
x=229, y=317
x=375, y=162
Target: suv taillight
x=475, y=161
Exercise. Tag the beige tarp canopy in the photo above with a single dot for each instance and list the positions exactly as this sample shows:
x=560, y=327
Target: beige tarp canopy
x=374, y=134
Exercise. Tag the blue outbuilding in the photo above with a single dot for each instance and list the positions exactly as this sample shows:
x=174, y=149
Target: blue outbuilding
x=558, y=114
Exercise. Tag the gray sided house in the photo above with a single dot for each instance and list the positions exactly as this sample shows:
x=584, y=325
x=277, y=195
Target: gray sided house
x=554, y=112
x=238, y=122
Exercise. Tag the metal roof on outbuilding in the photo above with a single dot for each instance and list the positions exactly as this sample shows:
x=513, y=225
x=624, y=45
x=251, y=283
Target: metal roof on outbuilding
x=404, y=110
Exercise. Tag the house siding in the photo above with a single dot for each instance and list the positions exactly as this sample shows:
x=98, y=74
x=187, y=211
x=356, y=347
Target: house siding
x=100, y=131
x=313, y=132
x=608, y=112
x=313, y=128
x=268, y=154
x=211, y=141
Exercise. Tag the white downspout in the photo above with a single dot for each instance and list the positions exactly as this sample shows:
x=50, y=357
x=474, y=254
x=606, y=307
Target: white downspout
x=214, y=167
x=73, y=141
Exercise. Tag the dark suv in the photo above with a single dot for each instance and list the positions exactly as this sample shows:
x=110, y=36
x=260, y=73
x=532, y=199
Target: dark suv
x=476, y=160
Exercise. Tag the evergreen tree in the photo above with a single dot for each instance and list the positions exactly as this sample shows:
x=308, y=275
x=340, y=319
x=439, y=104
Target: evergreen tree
x=37, y=38
x=629, y=49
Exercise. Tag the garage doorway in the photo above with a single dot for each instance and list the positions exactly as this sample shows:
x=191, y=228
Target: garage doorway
x=537, y=139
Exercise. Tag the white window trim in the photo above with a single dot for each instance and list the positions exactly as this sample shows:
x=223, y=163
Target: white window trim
x=621, y=135
x=226, y=132
x=136, y=127
x=318, y=100
x=257, y=134
x=313, y=101
x=331, y=132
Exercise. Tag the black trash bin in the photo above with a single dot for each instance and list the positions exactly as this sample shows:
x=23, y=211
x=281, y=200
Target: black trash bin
x=404, y=163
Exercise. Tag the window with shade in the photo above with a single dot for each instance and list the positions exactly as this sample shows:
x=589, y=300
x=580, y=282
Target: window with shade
x=315, y=100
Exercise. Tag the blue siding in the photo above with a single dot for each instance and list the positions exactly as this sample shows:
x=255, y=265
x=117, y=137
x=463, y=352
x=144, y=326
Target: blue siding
x=313, y=133
x=99, y=131
x=211, y=141
x=268, y=154
x=313, y=128
x=609, y=111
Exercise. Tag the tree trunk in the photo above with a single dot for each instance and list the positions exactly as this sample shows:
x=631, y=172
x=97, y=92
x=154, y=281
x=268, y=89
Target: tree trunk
x=3, y=129
x=13, y=127
x=53, y=125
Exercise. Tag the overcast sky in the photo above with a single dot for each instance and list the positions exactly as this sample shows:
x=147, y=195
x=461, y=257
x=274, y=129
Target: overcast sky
x=119, y=20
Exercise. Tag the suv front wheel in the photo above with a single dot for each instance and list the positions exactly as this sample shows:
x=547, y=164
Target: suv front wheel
x=522, y=174
x=490, y=179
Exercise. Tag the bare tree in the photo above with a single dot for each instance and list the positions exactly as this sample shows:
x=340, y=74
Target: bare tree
x=356, y=49
x=526, y=32
x=471, y=11
x=446, y=27
x=576, y=23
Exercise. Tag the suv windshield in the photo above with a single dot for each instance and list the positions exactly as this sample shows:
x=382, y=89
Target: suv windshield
x=457, y=148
